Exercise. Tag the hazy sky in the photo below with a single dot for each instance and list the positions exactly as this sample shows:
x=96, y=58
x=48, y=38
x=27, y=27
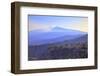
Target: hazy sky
x=46, y=23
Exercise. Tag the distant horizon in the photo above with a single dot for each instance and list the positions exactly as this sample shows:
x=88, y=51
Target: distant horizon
x=56, y=28
x=47, y=23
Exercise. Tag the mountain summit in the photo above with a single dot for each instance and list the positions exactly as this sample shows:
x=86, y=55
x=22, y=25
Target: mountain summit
x=58, y=29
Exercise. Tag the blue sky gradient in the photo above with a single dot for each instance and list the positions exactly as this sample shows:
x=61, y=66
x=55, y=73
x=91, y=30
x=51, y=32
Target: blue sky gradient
x=38, y=22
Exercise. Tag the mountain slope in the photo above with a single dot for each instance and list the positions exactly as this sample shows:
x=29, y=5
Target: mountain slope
x=57, y=34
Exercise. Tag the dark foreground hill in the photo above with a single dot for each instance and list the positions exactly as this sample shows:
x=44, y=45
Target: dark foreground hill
x=65, y=49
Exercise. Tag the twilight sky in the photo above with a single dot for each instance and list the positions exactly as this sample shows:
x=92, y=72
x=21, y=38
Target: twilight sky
x=47, y=23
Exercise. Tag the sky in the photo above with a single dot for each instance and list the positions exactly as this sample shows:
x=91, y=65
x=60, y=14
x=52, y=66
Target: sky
x=47, y=23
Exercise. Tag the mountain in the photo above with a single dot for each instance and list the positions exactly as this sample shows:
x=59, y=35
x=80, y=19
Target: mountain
x=57, y=34
x=59, y=29
x=60, y=50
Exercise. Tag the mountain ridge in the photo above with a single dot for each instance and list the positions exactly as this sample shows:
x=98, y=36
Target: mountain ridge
x=54, y=36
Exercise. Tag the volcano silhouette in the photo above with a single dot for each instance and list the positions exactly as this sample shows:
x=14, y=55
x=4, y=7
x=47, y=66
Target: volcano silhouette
x=56, y=34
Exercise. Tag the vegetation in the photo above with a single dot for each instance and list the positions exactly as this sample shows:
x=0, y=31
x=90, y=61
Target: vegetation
x=58, y=51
